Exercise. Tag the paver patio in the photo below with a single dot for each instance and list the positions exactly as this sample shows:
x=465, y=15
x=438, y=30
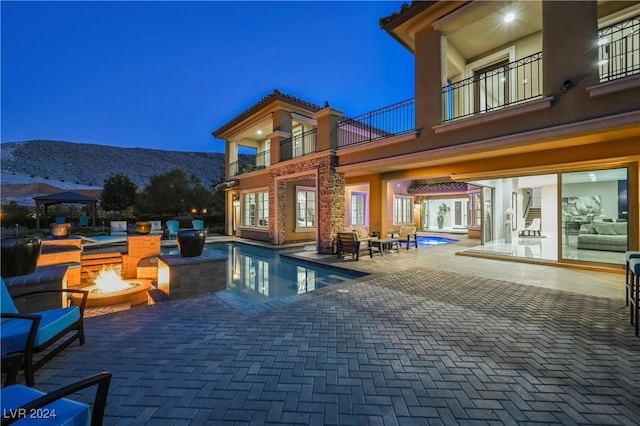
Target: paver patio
x=417, y=346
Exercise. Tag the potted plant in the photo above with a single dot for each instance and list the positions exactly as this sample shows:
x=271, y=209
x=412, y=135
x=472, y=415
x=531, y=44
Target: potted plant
x=143, y=227
x=442, y=212
x=20, y=255
x=191, y=242
x=60, y=230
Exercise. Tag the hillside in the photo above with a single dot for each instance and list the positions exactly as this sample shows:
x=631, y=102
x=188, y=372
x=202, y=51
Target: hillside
x=90, y=164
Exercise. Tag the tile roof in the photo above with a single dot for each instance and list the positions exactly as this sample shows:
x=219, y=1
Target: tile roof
x=276, y=95
x=406, y=12
x=424, y=188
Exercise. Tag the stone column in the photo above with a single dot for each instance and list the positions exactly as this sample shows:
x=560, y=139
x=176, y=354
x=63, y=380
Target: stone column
x=330, y=203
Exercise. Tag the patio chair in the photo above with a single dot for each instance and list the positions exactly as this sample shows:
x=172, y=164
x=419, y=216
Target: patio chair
x=156, y=227
x=118, y=227
x=20, y=402
x=534, y=227
x=39, y=331
x=349, y=243
x=173, y=226
x=60, y=219
x=197, y=224
x=83, y=221
x=406, y=234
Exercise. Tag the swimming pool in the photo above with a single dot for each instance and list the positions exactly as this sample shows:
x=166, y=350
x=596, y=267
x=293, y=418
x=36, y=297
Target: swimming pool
x=259, y=275
x=431, y=240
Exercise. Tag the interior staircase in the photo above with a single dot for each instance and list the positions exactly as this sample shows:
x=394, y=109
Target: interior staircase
x=534, y=212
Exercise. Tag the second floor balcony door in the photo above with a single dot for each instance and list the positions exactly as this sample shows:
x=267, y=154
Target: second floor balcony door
x=491, y=87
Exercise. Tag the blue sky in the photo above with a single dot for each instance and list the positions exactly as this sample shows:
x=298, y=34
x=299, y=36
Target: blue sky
x=164, y=75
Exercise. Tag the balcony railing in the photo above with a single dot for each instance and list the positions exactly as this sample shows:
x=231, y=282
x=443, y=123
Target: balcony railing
x=382, y=123
x=619, y=50
x=502, y=86
x=250, y=163
x=298, y=145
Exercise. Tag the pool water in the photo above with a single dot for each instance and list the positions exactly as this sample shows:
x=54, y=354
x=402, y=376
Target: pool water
x=430, y=240
x=260, y=275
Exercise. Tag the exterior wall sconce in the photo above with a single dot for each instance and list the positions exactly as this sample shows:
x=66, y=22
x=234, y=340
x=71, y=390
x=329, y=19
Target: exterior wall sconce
x=236, y=202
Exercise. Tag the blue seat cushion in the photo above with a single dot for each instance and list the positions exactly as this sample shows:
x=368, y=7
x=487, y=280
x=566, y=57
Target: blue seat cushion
x=6, y=301
x=16, y=331
x=66, y=411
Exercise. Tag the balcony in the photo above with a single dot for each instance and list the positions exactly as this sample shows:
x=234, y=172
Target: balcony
x=501, y=86
x=619, y=50
x=382, y=123
x=250, y=163
x=298, y=145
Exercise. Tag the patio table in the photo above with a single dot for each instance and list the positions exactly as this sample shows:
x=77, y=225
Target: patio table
x=384, y=244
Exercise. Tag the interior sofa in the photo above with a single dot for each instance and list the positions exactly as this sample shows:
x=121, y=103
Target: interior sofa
x=610, y=236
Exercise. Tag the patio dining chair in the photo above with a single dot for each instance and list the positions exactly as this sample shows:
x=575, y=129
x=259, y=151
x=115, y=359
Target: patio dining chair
x=51, y=330
x=197, y=224
x=83, y=221
x=173, y=226
x=27, y=405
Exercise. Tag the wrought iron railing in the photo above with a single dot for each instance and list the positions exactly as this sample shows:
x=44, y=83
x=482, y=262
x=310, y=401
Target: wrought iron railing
x=619, y=50
x=250, y=163
x=298, y=145
x=504, y=85
x=382, y=123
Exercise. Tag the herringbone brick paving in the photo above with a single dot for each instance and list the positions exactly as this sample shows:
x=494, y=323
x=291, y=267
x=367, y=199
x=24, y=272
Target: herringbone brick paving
x=421, y=346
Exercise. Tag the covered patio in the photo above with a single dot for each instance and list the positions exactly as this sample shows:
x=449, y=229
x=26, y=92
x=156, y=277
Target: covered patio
x=67, y=197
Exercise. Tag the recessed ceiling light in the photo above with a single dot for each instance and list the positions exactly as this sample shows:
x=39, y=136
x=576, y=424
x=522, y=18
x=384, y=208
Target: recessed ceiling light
x=509, y=17
x=259, y=132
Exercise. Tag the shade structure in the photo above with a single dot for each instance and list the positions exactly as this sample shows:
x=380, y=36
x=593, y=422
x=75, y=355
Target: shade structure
x=62, y=198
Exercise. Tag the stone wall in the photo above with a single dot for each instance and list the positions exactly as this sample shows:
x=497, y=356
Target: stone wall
x=43, y=278
x=180, y=277
x=330, y=192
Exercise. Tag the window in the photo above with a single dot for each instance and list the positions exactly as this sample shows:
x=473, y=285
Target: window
x=402, y=210
x=263, y=208
x=306, y=207
x=249, y=210
x=256, y=209
x=357, y=208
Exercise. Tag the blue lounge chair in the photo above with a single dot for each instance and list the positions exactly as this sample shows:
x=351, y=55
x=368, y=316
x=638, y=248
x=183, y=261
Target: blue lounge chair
x=173, y=226
x=37, y=332
x=197, y=224
x=21, y=403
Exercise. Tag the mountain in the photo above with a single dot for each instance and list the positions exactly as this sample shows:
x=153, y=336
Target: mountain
x=90, y=164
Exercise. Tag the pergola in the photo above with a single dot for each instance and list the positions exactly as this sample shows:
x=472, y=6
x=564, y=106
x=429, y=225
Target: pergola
x=61, y=198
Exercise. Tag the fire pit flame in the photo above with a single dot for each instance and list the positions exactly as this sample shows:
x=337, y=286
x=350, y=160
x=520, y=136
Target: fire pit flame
x=109, y=280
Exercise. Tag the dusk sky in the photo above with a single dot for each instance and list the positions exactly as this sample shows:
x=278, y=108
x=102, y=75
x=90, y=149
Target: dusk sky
x=164, y=75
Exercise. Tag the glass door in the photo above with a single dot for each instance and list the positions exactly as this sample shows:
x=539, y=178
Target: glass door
x=487, y=215
x=594, y=216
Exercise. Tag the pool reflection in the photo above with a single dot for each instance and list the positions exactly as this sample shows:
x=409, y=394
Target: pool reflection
x=260, y=275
